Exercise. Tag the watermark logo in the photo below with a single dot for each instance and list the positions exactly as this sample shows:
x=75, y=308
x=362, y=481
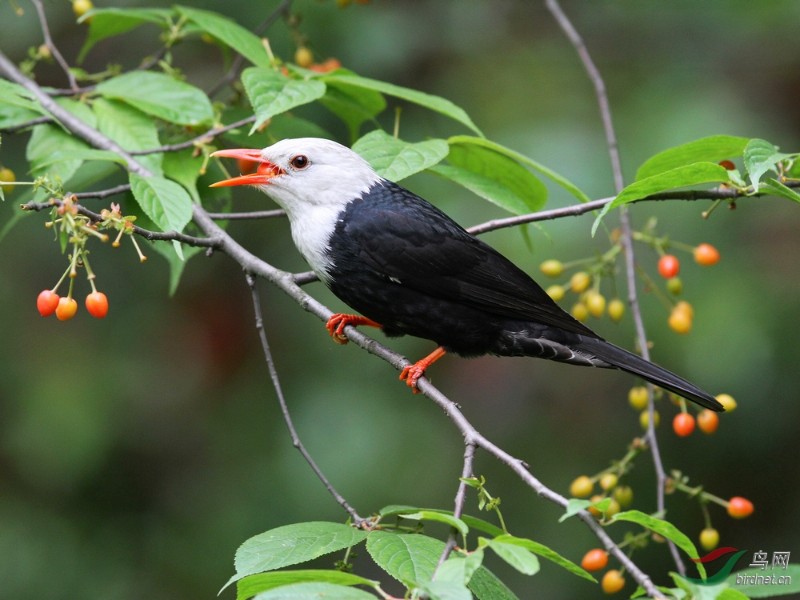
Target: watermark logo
x=761, y=560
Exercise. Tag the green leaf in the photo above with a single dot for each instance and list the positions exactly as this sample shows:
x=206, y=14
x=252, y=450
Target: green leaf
x=315, y=591
x=78, y=154
x=292, y=544
x=272, y=93
x=395, y=159
x=494, y=177
x=260, y=582
x=759, y=157
x=165, y=202
x=40, y=147
x=177, y=263
x=443, y=589
x=546, y=552
x=472, y=522
x=687, y=175
x=230, y=33
x=709, y=149
x=434, y=103
x=184, y=168
x=410, y=558
x=161, y=96
x=352, y=104
x=516, y=555
x=776, y=188
x=758, y=583
x=522, y=159
x=108, y=22
x=432, y=515
x=487, y=586
x=694, y=590
x=574, y=506
x=131, y=129
x=17, y=96
x=664, y=529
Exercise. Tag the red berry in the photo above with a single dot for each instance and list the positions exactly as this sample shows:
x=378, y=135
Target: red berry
x=66, y=309
x=739, y=507
x=47, y=302
x=707, y=421
x=595, y=559
x=706, y=255
x=612, y=582
x=683, y=424
x=97, y=304
x=668, y=266
x=727, y=165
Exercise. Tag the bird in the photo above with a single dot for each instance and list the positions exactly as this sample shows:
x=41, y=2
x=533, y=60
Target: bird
x=407, y=268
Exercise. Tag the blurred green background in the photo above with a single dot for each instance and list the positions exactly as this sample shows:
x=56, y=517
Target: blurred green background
x=137, y=453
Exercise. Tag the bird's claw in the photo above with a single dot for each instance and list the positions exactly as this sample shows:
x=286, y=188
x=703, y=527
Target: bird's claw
x=335, y=327
x=411, y=374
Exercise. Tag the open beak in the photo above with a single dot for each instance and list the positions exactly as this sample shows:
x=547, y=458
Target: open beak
x=264, y=172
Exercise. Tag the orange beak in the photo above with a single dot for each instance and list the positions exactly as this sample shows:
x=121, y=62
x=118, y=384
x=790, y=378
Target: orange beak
x=264, y=171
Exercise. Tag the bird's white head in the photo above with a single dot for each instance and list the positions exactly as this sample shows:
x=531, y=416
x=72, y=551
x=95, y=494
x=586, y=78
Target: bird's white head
x=312, y=179
x=303, y=173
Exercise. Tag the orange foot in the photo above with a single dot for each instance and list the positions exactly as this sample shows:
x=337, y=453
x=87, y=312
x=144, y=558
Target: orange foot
x=339, y=321
x=411, y=373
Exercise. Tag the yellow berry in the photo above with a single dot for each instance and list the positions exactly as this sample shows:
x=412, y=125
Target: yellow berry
x=556, y=292
x=616, y=309
x=709, y=538
x=580, y=282
x=303, y=57
x=680, y=321
x=624, y=495
x=552, y=268
x=81, y=7
x=727, y=401
x=595, y=303
x=612, y=581
x=7, y=176
x=579, y=311
x=608, y=481
x=644, y=419
x=637, y=397
x=581, y=487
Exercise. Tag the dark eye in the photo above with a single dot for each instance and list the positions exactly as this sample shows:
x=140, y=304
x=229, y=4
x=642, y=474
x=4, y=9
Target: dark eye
x=300, y=161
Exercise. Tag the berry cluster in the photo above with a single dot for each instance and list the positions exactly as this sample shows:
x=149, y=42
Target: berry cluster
x=614, y=496
x=586, y=282
x=76, y=229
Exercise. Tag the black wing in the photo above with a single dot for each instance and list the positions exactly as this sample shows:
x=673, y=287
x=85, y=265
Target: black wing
x=403, y=237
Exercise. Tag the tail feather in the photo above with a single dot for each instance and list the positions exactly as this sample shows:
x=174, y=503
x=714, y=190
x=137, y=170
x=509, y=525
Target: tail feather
x=632, y=363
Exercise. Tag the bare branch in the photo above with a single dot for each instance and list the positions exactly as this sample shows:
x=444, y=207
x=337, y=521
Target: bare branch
x=53, y=49
x=287, y=417
x=203, y=138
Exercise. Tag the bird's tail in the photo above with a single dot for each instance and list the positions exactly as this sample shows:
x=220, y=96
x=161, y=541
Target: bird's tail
x=632, y=363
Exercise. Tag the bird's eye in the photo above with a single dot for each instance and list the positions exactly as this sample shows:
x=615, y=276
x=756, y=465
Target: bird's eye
x=300, y=161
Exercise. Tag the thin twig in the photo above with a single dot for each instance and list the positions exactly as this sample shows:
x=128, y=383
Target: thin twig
x=73, y=84
x=245, y=216
x=461, y=497
x=203, y=138
x=287, y=417
x=106, y=193
x=22, y=126
x=627, y=243
x=238, y=62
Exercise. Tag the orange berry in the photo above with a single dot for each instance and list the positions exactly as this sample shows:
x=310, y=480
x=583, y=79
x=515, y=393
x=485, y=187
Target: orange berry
x=595, y=559
x=739, y=507
x=668, y=266
x=66, y=309
x=706, y=255
x=97, y=305
x=707, y=421
x=612, y=582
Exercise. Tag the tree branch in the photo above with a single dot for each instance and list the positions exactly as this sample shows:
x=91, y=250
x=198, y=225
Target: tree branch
x=53, y=49
x=287, y=417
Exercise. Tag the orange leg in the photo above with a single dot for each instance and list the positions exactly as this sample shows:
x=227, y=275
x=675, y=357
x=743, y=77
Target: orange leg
x=412, y=373
x=339, y=321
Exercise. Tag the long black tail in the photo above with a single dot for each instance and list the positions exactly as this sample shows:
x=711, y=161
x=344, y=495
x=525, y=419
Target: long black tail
x=632, y=363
